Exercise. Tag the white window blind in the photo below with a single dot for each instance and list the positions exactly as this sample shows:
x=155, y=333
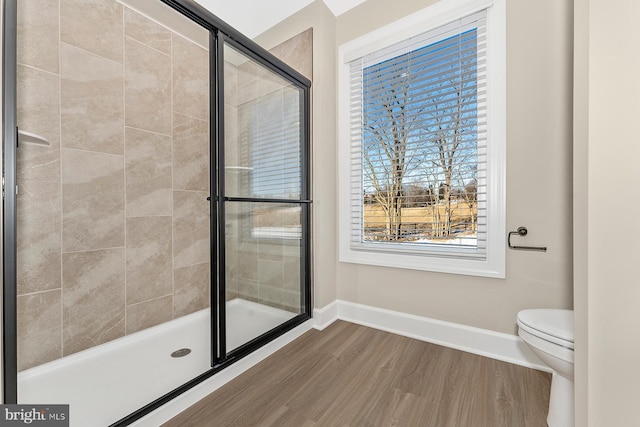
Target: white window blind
x=270, y=129
x=418, y=144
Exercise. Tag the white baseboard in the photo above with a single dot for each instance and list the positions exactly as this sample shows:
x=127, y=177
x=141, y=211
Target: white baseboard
x=325, y=316
x=496, y=345
x=190, y=397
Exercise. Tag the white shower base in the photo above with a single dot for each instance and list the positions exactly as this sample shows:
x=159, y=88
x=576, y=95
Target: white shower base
x=108, y=382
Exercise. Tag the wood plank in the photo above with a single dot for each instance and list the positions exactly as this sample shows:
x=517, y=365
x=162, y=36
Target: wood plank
x=351, y=375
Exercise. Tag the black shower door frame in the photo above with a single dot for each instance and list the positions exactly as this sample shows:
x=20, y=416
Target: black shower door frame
x=220, y=33
x=221, y=200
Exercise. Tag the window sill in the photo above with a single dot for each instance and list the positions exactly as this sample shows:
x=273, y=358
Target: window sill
x=467, y=267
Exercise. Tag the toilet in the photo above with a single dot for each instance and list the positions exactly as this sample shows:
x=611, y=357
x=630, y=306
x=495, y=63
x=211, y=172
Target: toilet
x=549, y=334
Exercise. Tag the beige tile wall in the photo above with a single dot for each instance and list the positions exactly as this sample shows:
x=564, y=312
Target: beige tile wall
x=113, y=220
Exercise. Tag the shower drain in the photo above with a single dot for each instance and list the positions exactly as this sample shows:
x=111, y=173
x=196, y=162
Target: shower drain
x=181, y=353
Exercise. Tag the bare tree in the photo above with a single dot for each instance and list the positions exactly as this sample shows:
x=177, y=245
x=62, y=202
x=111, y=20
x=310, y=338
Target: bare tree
x=432, y=178
x=470, y=195
x=450, y=131
x=387, y=161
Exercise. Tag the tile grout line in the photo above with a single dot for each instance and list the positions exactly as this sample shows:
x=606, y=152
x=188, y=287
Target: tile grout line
x=189, y=115
x=40, y=292
x=93, y=250
x=165, y=27
x=124, y=162
x=149, y=300
x=173, y=284
x=126, y=37
x=95, y=55
x=147, y=131
x=60, y=175
x=33, y=67
x=82, y=150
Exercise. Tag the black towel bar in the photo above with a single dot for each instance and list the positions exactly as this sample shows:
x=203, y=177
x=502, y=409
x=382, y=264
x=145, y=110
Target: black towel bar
x=522, y=231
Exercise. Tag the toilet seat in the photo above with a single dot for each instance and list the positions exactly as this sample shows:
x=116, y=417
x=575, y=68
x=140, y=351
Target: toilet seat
x=553, y=325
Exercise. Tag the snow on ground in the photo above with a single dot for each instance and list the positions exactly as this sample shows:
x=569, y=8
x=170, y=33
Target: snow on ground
x=467, y=240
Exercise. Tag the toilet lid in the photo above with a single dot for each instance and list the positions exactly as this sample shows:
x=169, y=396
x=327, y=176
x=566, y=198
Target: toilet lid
x=554, y=323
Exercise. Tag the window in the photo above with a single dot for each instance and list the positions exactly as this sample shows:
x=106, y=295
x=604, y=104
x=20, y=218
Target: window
x=422, y=141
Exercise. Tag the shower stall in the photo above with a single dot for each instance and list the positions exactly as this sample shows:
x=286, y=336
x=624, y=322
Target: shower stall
x=156, y=202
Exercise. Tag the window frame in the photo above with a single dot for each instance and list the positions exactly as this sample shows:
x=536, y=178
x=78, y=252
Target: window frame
x=438, y=260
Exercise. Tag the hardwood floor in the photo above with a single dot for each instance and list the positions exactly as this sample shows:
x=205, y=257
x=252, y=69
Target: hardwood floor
x=351, y=375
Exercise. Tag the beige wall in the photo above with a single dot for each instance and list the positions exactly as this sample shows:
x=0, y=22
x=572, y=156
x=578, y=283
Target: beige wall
x=606, y=158
x=320, y=18
x=580, y=199
x=538, y=181
x=538, y=145
x=113, y=224
x=580, y=206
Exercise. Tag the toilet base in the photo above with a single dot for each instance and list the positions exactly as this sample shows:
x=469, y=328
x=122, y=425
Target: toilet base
x=561, y=402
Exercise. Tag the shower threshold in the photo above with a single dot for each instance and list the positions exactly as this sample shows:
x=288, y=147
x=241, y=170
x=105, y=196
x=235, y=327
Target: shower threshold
x=107, y=382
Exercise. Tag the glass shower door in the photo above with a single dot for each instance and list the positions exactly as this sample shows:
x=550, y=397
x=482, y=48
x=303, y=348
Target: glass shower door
x=264, y=199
